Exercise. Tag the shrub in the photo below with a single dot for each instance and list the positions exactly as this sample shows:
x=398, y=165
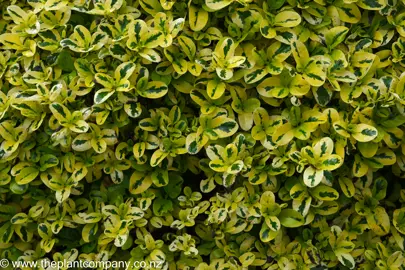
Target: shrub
x=204, y=134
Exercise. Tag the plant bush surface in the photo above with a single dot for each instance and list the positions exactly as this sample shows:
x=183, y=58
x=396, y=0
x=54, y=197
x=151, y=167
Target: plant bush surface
x=203, y=134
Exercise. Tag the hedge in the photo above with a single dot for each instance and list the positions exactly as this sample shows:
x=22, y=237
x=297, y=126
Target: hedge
x=203, y=134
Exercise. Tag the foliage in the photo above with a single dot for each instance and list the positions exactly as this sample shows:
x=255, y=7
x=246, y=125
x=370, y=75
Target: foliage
x=204, y=134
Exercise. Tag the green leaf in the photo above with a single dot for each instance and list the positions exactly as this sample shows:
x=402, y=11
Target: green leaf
x=379, y=221
x=61, y=113
x=347, y=260
x=371, y=4
x=312, y=176
x=154, y=90
x=290, y=218
x=215, y=89
x=19, y=218
x=139, y=182
x=398, y=220
x=275, y=4
x=198, y=18
x=160, y=177
x=217, y=4
x=335, y=36
x=347, y=186
x=102, y=95
x=27, y=175
x=287, y=18
x=65, y=61
x=364, y=132
x=6, y=232
x=325, y=193
x=48, y=161
x=379, y=188
x=322, y=95
x=174, y=187
x=266, y=234
x=162, y=206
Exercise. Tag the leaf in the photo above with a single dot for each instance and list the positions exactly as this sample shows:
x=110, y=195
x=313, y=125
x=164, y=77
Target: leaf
x=82, y=142
x=327, y=208
x=6, y=232
x=360, y=168
x=398, y=220
x=325, y=193
x=36, y=211
x=312, y=176
x=266, y=30
x=160, y=177
x=347, y=186
x=290, y=218
x=24, y=234
x=349, y=13
x=322, y=95
x=26, y=175
x=273, y=223
x=102, y=95
x=60, y=112
x=217, y=4
x=368, y=149
x=224, y=127
x=379, y=188
x=235, y=167
x=44, y=231
x=215, y=89
x=198, y=18
x=7, y=211
x=157, y=157
x=57, y=226
x=218, y=166
x=283, y=134
x=65, y=61
x=324, y=147
x=19, y=218
x=379, y=221
x=266, y=235
x=364, y=132
x=174, y=187
x=62, y=194
x=382, y=157
x=275, y=4
x=48, y=161
x=247, y=259
x=255, y=75
x=347, y=260
x=139, y=182
x=371, y=4
x=17, y=14
x=271, y=87
x=154, y=90
x=314, y=74
x=12, y=41
x=104, y=79
x=151, y=6
x=133, y=110
x=80, y=126
x=162, y=206
x=300, y=53
x=92, y=218
x=297, y=192
x=287, y=19
x=330, y=163
x=335, y=36
x=123, y=71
